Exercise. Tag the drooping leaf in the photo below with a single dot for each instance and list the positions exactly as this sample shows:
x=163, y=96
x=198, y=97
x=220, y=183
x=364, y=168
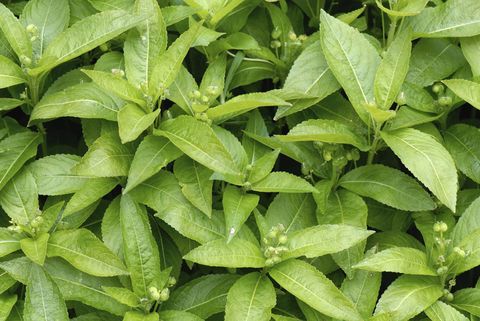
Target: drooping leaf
x=428, y=160
x=388, y=186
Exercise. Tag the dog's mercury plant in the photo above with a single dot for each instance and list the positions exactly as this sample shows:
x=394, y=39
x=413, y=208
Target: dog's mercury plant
x=239, y=160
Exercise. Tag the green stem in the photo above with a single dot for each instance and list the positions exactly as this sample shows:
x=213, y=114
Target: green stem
x=391, y=31
x=373, y=149
x=34, y=85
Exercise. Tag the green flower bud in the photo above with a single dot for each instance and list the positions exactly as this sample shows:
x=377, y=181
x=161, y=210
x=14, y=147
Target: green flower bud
x=205, y=99
x=401, y=99
x=436, y=227
x=445, y=101
x=292, y=36
x=164, y=295
x=212, y=90
x=302, y=38
x=276, y=259
x=172, y=281
x=153, y=293
x=197, y=94
x=273, y=234
x=449, y=297
x=459, y=251
x=276, y=33
x=282, y=249
x=269, y=262
x=275, y=44
x=269, y=251
x=25, y=60
x=247, y=186
x=33, y=38
x=327, y=155
x=32, y=29
x=438, y=88
x=118, y=72
x=104, y=47
x=283, y=239
x=442, y=270
x=443, y=227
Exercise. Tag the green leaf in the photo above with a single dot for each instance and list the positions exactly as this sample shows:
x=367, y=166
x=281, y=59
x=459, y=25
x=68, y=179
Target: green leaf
x=85, y=100
x=112, y=229
x=392, y=70
x=82, y=249
x=263, y=166
x=467, y=300
x=203, y=296
x=78, y=286
x=133, y=121
x=117, y=85
x=15, y=33
x=282, y=182
x=251, y=298
x=90, y=193
x=35, y=249
x=388, y=186
x=408, y=296
x=323, y=239
x=43, y=301
x=162, y=193
x=404, y=8
x=145, y=43
x=122, y=295
x=433, y=60
x=54, y=175
x=309, y=75
x=9, y=242
x=462, y=143
x=75, y=41
x=440, y=311
x=398, y=259
x=428, y=160
x=465, y=89
x=172, y=315
x=237, y=206
x=6, y=305
x=9, y=103
x=242, y=104
x=213, y=80
x=6, y=281
x=454, y=18
x=152, y=154
x=140, y=316
x=15, y=151
x=236, y=254
x=50, y=17
x=195, y=182
x=19, y=198
x=363, y=290
x=294, y=211
x=470, y=46
x=352, y=59
x=11, y=74
x=140, y=250
x=327, y=131
x=315, y=289
x=106, y=157
x=167, y=65
x=199, y=141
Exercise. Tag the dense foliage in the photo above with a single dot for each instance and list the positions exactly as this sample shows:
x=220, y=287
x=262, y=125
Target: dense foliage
x=239, y=160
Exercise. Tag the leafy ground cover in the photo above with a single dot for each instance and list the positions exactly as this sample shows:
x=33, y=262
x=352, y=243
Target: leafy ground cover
x=239, y=160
